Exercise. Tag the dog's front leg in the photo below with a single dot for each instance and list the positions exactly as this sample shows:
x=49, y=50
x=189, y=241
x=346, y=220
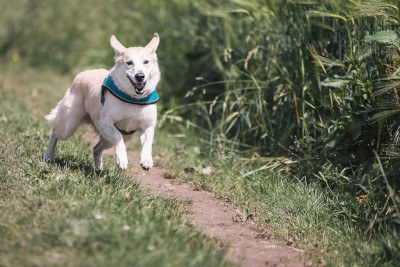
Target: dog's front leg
x=146, y=138
x=111, y=134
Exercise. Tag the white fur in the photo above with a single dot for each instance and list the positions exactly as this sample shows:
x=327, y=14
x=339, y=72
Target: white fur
x=81, y=102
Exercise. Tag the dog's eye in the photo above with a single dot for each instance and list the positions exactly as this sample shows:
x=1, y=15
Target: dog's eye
x=130, y=63
x=145, y=62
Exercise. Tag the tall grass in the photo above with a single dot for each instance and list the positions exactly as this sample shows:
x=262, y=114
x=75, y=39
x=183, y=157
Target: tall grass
x=313, y=80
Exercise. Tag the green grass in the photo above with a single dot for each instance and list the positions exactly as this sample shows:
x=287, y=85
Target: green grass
x=263, y=84
x=66, y=214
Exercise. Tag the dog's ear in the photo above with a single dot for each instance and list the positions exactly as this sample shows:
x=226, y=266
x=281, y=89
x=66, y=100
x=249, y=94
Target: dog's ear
x=153, y=44
x=119, y=49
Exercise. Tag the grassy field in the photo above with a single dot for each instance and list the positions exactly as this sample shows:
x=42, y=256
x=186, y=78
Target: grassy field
x=66, y=214
x=292, y=104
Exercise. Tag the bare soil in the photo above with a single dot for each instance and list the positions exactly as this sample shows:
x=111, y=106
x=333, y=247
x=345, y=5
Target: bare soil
x=249, y=244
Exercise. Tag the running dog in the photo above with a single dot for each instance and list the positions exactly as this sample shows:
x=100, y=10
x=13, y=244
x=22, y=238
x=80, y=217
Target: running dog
x=116, y=102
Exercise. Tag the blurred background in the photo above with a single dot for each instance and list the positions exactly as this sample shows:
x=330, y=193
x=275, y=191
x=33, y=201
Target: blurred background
x=313, y=80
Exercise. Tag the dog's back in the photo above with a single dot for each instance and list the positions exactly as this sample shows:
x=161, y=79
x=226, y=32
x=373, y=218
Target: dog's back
x=81, y=99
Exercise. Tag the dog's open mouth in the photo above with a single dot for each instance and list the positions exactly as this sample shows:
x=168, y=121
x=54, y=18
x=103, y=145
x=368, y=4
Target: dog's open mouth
x=137, y=86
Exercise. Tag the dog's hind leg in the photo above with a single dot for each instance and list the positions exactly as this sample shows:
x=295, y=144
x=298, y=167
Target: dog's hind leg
x=98, y=150
x=70, y=114
x=49, y=154
x=64, y=118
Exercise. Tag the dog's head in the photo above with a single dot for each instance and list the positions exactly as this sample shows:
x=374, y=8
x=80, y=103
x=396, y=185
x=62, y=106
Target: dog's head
x=136, y=68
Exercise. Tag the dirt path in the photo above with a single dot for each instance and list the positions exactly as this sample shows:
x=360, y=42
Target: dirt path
x=217, y=218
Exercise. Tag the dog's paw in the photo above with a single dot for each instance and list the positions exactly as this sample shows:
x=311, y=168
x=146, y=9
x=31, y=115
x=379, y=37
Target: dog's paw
x=48, y=156
x=122, y=160
x=146, y=162
x=98, y=163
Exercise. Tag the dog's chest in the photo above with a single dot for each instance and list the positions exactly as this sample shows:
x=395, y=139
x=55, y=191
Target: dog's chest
x=135, y=117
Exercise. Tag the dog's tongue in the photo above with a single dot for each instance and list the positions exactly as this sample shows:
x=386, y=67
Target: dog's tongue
x=139, y=86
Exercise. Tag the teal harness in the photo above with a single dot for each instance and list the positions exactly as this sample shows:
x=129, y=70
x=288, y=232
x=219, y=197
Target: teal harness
x=110, y=86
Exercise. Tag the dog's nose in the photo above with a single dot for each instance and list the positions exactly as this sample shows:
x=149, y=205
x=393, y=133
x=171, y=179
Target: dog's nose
x=139, y=76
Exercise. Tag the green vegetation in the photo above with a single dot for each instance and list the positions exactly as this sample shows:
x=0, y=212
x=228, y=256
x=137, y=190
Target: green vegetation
x=66, y=214
x=294, y=104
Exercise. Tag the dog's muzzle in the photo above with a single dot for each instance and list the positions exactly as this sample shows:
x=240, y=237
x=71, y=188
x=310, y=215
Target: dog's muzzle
x=138, y=86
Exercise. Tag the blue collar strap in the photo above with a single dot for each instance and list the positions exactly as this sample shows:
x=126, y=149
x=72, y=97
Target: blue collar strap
x=110, y=86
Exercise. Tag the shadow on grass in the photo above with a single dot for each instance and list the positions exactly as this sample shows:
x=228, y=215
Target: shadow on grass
x=109, y=175
x=72, y=163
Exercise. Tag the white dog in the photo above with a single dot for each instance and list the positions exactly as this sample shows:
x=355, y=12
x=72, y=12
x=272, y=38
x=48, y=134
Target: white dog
x=117, y=102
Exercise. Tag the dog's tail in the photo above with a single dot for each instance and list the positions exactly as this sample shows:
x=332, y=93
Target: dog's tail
x=53, y=114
